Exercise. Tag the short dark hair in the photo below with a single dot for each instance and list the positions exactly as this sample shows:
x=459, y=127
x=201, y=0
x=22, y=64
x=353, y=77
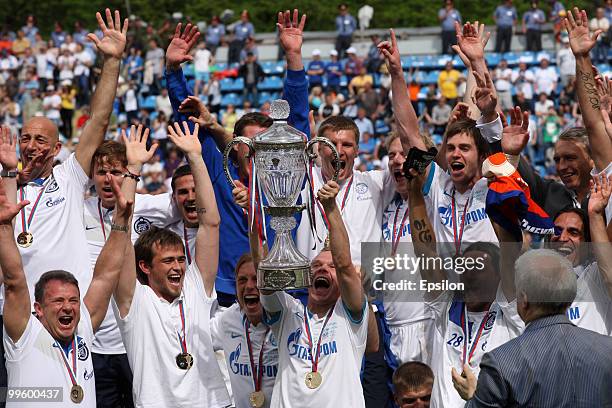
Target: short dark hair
x=58, y=275
x=143, y=248
x=181, y=171
x=468, y=126
x=252, y=119
x=110, y=150
x=412, y=376
x=583, y=216
x=337, y=123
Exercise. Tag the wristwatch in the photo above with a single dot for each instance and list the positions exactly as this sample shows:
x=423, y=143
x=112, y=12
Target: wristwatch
x=8, y=173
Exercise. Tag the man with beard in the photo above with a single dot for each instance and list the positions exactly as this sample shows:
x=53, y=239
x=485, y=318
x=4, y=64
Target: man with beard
x=51, y=348
x=321, y=345
x=164, y=316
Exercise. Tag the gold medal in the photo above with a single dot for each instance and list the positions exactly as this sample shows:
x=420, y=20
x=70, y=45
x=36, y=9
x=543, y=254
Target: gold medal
x=313, y=379
x=76, y=394
x=25, y=239
x=184, y=361
x=257, y=399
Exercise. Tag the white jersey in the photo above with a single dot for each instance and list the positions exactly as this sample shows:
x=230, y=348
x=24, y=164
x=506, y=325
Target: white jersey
x=148, y=210
x=400, y=307
x=228, y=334
x=592, y=308
x=439, y=192
x=188, y=235
x=342, y=346
x=367, y=194
x=57, y=228
x=150, y=332
x=501, y=324
x=36, y=361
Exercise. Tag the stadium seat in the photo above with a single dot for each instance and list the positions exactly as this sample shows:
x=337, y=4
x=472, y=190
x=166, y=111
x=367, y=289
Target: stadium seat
x=231, y=99
x=269, y=67
x=381, y=128
x=271, y=83
x=225, y=85
x=149, y=103
x=188, y=70
x=343, y=81
x=493, y=59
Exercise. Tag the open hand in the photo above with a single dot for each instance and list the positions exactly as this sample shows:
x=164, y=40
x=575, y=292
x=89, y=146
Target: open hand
x=136, y=146
x=8, y=149
x=482, y=36
x=516, y=135
x=112, y=43
x=185, y=140
x=290, y=31
x=601, y=187
x=8, y=210
x=577, y=27
x=471, y=40
x=485, y=96
x=181, y=45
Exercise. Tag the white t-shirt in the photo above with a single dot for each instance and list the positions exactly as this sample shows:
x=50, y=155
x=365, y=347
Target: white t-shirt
x=592, y=308
x=58, y=233
x=502, y=83
x=502, y=325
x=35, y=361
x=342, y=347
x=130, y=101
x=202, y=60
x=148, y=210
x=439, y=191
x=150, y=334
x=188, y=235
x=65, y=63
x=83, y=62
x=524, y=82
x=369, y=193
x=545, y=80
x=566, y=61
x=401, y=307
x=542, y=107
x=228, y=334
x=52, y=104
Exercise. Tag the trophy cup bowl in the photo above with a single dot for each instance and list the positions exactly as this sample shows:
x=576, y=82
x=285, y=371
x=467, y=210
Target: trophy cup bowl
x=280, y=156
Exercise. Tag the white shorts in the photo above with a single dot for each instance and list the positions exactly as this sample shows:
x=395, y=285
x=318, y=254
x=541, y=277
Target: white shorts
x=412, y=341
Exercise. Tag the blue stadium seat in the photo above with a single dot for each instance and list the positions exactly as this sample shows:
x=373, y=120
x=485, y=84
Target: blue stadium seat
x=188, y=70
x=343, y=81
x=442, y=60
x=512, y=58
x=269, y=66
x=238, y=84
x=279, y=68
x=148, y=103
x=432, y=77
x=268, y=97
x=231, y=99
x=225, y=85
x=271, y=83
x=492, y=58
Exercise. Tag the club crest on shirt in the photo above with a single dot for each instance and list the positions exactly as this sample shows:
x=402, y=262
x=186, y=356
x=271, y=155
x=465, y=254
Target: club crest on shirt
x=82, y=350
x=362, y=190
x=490, y=320
x=142, y=225
x=52, y=187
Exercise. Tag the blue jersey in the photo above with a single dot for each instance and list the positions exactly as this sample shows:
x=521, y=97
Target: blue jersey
x=333, y=71
x=316, y=65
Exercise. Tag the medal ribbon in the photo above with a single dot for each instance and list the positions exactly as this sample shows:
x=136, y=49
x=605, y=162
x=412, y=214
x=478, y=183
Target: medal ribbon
x=188, y=253
x=466, y=334
x=71, y=371
x=315, y=358
x=457, y=237
x=26, y=225
x=183, y=338
x=256, y=380
x=101, y=220
x=346, y=192
x=395, y=240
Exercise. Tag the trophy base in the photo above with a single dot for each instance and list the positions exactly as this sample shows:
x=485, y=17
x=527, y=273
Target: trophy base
x=275, y=278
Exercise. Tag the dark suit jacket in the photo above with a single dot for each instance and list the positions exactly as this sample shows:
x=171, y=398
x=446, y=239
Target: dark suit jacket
x=552, y=364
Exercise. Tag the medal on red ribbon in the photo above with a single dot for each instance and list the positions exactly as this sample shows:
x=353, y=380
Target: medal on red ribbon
x=76, y=391
x=313, y=379
x=257, y=398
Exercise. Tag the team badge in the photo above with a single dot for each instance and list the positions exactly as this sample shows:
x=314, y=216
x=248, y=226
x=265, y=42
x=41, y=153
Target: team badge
x=361, y=188
x=490, y=320
x=52, y=187
x=142, y=225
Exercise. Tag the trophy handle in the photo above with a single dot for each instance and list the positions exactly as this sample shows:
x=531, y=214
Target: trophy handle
x=227, y=151
x=326, y=141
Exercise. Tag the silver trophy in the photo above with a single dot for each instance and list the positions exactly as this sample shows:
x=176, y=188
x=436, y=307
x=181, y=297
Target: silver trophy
x=279, y=158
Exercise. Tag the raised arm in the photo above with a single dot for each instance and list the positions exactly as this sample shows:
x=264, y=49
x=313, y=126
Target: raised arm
x=423, y=236
x=137, y=154
x=109, y=263
x=349, y=280
x=471, y=40
x=17, y=302
x=207, y=238
x=205, y=120
x=581, y=42
x=601, y=188
x=111, y=46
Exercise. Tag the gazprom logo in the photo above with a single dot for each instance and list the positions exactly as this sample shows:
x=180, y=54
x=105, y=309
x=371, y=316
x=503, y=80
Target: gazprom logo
x=446, y=217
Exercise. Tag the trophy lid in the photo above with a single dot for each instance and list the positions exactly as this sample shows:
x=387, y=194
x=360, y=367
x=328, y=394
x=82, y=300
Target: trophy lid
x=280, y=132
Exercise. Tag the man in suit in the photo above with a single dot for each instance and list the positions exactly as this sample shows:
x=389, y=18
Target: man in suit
x=553, y=363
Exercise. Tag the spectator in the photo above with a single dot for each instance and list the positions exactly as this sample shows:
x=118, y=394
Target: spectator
x=333, y=72
x=135, y=65
x=58, y=36
x=315, y=99
x=369, y=99
x=546, y=78
x=37, y=44
x=52, y=104
x=367, y=149
x=243, y=30
x=557, y=13
x=329, y=108
x=600, y=22
x=412, y=385
x=30, y=30
x=551, y=128
x=316, y=69
x=213, y=92
x=353, y=65
x=65, y=64
x=42, y=67
x=162, y=103
x=20, y=44
x=249, y=46
x=447, y=17
x=215, y=34
x=252, y=73
x=68, y=104
x=130, y=103
x=154, y=66
x=447, y=82
x=505, y=17
x=345, y=26
x=364, y=124
x=542, y=106
x=32, y=106
x=440, y=115
x=80, y=33
x=357, y=83
x=566, y=62
x=10, y=112
x=502, y=75
x=8, y=63
x=202, y=60
x=229, y=119
x=374, y=60
x=83, y=62
x=532, y=27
